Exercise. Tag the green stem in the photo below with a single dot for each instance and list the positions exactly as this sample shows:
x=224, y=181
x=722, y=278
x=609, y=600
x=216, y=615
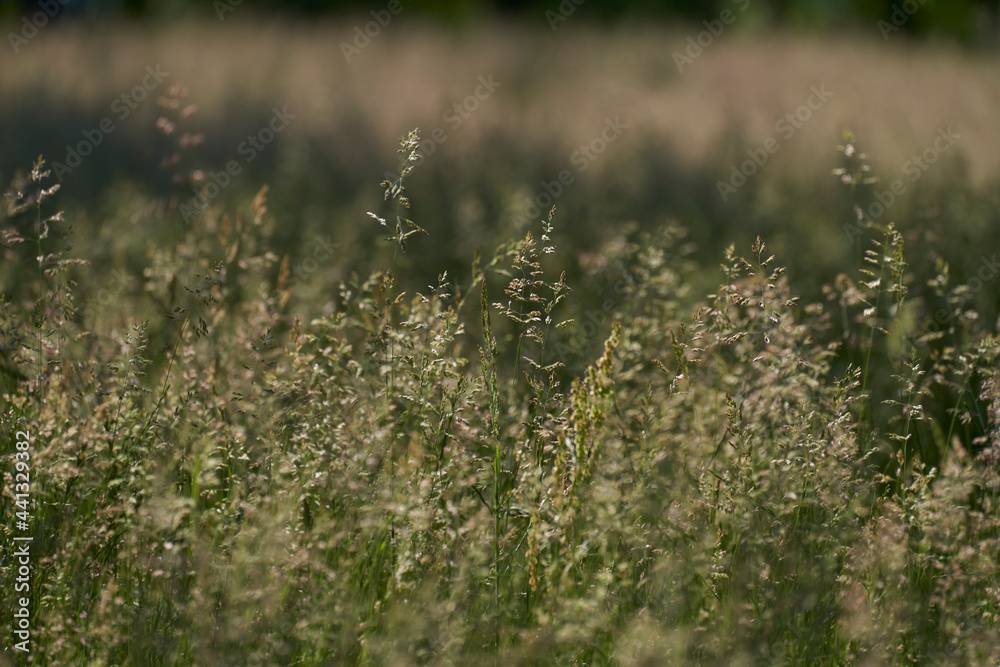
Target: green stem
x=871, y=334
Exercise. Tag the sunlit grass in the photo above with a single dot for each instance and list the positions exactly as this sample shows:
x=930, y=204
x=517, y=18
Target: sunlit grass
x=489, y=468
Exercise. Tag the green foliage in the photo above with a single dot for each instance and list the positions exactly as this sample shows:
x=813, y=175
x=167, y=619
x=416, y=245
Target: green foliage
x=394, y=478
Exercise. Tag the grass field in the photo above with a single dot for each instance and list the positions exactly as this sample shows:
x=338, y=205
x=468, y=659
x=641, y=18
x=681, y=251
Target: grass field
x=284, y=381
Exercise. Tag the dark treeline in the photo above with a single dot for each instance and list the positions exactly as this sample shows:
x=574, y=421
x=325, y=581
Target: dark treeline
x=966, y=20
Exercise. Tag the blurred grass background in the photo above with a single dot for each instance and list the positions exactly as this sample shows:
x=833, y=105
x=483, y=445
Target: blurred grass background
x=558, y=87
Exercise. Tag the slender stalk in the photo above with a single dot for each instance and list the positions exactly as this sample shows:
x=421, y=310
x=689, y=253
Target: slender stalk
x=38, y=314
x=871, y=333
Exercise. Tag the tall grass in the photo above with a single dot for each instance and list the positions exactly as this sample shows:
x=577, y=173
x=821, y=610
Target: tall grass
x=428, y=476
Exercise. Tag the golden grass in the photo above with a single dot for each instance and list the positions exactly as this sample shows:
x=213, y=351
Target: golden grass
x=244, y=454
x=556, y=86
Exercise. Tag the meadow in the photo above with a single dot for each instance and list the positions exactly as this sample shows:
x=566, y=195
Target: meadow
x=507, y=345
